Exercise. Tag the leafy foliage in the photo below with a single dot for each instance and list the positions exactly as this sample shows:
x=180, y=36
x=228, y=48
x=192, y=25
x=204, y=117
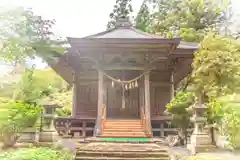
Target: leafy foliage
x=230, y=123
x=36, y=154
x=48, y=81
x=216, y=65
x=63, y=98
x=44, y=80
x=215, y=112
x=27, y=90
x=24, y=34
x=177, y=108
x=17, y=117
x=64, y=111
x=143, y=18
x=185, y=18
x=122, y=8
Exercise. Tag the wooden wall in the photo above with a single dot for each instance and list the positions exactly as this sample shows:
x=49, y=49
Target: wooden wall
x=160, y=96
x=87, y=98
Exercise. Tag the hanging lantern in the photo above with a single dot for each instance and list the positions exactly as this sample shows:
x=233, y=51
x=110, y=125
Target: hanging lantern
x=130, y=86
x=136, y=84
x=112, y=84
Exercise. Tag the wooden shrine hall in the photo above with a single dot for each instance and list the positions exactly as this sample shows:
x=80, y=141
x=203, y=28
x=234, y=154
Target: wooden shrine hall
x=122, y=80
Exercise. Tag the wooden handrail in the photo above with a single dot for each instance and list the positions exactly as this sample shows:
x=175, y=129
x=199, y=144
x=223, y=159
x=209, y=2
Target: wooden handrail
x=103, y=117
x=144, y=121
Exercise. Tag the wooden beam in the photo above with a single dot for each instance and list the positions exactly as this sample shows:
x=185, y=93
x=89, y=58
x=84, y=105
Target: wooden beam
x=74, y=97
x=86, y=51
x=126, y=67
x=172, y=85
x=100, y=103
x=114, y=41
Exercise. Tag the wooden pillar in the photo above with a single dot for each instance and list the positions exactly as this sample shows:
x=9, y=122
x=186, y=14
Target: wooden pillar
x=74, y=97
x=172, y=85
x=100, y=103
x=147, y=100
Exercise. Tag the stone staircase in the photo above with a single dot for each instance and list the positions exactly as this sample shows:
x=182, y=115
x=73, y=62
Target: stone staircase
x=123, y=128
x=121, y=151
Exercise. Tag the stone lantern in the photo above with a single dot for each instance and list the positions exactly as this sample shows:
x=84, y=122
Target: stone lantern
x=200, y=139
x=47, y=130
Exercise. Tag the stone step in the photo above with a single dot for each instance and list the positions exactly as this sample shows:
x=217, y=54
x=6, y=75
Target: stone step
x=122, y=120
x=121, y=151
x=115, y=134
x=129, y=124
x=129, y=154
x=123, y=130
x=122, y=126
x=119, y=158
x=121, y=147
x=123, y=135
x=119, y=122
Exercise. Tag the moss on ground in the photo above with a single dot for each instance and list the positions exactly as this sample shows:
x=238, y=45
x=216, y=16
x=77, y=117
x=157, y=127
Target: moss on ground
x=38, y=153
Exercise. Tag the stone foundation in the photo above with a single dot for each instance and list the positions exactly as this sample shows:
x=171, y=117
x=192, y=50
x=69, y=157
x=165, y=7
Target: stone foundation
x=48, y=136
x=200, y=143
x=29, y=135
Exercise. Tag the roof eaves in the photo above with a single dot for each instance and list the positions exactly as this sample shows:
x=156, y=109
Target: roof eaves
x=188, y=45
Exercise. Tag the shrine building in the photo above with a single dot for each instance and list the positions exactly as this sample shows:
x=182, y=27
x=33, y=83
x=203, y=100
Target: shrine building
x=122, y=80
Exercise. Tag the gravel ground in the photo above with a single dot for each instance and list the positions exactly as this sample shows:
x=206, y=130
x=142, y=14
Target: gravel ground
x=219, y=154
x=222, y=155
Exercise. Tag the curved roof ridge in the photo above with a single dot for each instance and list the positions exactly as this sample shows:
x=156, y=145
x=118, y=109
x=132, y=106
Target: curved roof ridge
x=127, y=32
x=100, y=33
x=146, y=34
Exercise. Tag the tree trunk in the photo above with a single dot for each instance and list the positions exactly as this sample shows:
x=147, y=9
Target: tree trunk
x=186, y=136
x=212, y=135
x=181, y=135
x=9, y=141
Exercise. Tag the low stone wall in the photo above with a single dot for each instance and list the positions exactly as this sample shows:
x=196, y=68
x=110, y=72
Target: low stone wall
x=29, y=135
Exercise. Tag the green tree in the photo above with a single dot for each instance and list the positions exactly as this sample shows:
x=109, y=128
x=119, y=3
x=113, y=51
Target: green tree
x=143, y=18
x=185, y=18
x=27, y=91
x=216, y=73
x=216, y=65
x=16, y=117
x=24, y=34
x=62, y=98
x=178, y=109
x=48, y=84
x=122, y=9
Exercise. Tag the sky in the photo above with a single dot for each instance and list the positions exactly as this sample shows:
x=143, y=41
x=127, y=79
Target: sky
x=78, y=18
x=75, y=18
